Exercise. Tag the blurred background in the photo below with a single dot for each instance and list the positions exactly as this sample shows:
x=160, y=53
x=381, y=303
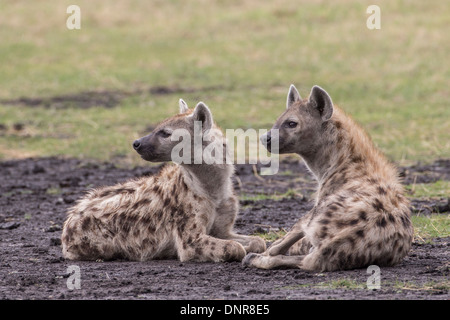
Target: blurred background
x=89, y=93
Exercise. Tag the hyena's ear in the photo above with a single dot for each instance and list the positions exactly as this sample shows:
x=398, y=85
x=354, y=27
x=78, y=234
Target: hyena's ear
x=321, y=101
x=203, y=114
x=293, y=96
x=183, y=106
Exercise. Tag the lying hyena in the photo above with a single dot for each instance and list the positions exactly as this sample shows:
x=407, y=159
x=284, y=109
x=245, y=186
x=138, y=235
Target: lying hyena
x=186, y=211
x=361, y=216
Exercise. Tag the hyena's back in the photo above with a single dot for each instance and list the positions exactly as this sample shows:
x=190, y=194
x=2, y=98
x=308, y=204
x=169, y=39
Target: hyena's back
x=134, y=220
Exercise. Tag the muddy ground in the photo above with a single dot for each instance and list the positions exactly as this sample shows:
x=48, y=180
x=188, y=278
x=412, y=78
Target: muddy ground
x=36, y=193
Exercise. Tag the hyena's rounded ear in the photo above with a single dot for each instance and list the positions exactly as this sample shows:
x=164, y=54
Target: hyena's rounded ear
x=183, y=106
x=203, y=114
x=293, y=96
x=321, y=101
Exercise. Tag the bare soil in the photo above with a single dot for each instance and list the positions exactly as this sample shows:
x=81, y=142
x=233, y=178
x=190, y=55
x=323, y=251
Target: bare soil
x=36, y=193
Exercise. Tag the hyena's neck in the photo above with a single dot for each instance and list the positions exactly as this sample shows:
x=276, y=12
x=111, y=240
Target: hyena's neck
x=344, y=146
x=213, y=181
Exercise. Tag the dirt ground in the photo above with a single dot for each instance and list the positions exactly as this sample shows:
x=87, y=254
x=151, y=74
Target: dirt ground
x=36, y=193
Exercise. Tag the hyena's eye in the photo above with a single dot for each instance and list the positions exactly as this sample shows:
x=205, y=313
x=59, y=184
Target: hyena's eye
x=164, y=134
x=291, y=124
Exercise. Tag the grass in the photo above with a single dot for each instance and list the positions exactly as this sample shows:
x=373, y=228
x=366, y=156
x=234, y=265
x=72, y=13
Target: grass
x=425, y=228
x=433, y=226
x=437, y=189
x=430, y=286
x=238, y=56
x=271, y=235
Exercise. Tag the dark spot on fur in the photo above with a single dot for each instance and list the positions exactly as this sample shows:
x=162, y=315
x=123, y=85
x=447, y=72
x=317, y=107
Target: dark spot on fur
x=356, y=159
x=391, y=218
x=326, y=252
x=405, y=221
x=184, y=186
x=226, y=252
x=324, y=233
x=339, y=140
x=139, y=204
x=381, y=190
x=338, y=124
x=363, y=215
x=372, y=181
x=329, y=214
x=333, y=208
x=381, y=222
x=352, y=242
x=174, y=189
x=360, y=233
x=156, y=189
x=324, y=221
x=86, y=223
x=353, y=222
x=340, y=224
x=166, y=202
x=377, y=205
x=198, y=251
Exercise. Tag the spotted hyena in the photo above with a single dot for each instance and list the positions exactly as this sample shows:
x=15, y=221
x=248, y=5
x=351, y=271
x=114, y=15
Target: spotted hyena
x=186, y=211
x=361, y=216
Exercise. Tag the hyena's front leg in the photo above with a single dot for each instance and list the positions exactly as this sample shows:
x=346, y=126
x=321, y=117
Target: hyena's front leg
x=274, y=256
x=282, y=245
x=207, y=248
x=223, y=224
x=262, y=261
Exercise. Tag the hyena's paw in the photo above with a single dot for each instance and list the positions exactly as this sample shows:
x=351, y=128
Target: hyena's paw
x=233, y=251
x=256, y=245
x=256, y=260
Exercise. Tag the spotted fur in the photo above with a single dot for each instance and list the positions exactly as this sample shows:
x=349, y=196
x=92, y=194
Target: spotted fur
x=361, y=216
x=186, y=211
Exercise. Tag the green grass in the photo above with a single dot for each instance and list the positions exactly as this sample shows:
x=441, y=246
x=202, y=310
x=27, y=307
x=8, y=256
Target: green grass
x=239, y=57
x=271, y=235
x=425, y=228
x=438, y=189
x=433, y=226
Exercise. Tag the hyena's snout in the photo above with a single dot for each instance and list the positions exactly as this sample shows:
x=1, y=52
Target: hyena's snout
x=266, y=139
x=270, y=140
x=137, y=144
x=144, y=147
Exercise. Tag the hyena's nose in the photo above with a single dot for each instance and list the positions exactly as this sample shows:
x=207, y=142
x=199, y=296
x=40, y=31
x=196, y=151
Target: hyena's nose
x=265, y=139
x=136, y=144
